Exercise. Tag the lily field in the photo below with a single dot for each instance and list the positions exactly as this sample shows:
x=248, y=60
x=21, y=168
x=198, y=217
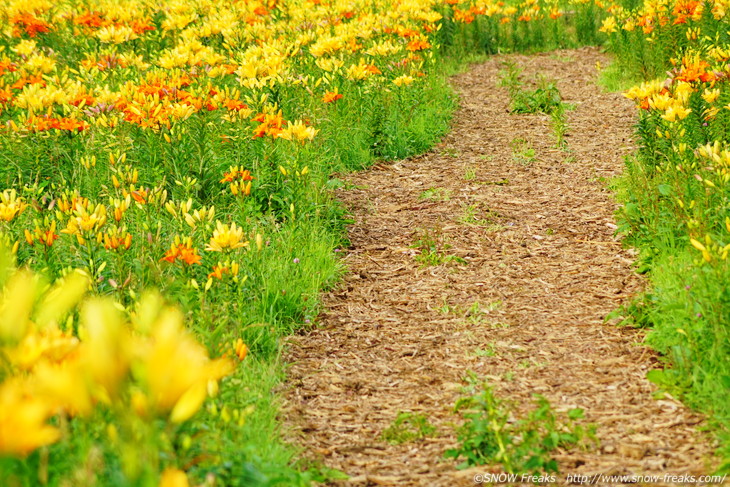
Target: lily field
x=167, y=215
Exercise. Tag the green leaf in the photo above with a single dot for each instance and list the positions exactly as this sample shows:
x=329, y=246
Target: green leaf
x=657, y=377
x=576, y=413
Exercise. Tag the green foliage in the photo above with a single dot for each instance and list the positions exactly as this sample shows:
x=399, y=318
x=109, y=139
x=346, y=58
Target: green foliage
x=687, y=305
x=509, y=77
x=522, y=151
x=543, y=99
x=617, y=78
x=435, y=194
x=408, y=426
x=586, y=24
x=560, y=126
x=432, y=250
x=675, y=208
x=278, y=285
x=488, y=351
x=490, y=436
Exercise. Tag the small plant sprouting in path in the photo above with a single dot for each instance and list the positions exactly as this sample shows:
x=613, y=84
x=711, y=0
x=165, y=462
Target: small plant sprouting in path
x=560, y=126
x=489, y=434
x=432, y=250
x=522, y=151
x=545, y=98
x=435, y=194
x=509, y=78
x=407, y=427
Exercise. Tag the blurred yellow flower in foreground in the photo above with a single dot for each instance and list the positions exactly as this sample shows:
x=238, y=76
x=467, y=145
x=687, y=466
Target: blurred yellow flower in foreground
x=173, y=477
x=23, y=419
x=149, y=367
x=176, y=368
x=106, y=353
x=17, y=301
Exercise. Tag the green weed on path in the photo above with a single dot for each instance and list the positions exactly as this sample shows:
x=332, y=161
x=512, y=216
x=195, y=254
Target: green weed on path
x=491, y=436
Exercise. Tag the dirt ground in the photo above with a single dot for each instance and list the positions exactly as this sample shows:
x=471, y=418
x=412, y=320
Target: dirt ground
x=522, y=228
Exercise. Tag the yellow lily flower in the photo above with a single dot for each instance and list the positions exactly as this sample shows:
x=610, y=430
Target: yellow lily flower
x=173, y=477
x=11, y=205
x=225, y=237
x=23, y=419
x=180, y=390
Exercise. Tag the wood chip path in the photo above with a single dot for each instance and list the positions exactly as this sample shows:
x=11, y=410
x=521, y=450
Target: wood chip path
x=539, y=256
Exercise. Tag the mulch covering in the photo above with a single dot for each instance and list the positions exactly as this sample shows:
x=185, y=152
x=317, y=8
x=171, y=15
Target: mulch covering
x=539, y=238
